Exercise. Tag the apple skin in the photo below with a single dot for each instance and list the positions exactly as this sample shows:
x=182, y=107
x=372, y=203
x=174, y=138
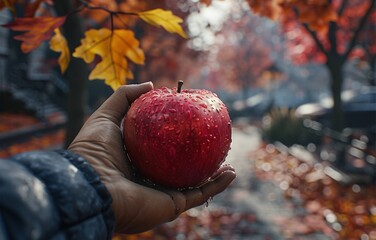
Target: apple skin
x=177, y=139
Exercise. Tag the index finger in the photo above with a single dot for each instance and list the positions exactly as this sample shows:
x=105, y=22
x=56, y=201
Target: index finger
x=118, y=103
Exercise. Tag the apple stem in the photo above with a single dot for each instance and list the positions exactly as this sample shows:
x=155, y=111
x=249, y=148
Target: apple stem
x=180, y=84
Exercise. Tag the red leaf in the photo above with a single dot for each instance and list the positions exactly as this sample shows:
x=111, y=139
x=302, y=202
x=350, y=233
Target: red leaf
x=36, y=30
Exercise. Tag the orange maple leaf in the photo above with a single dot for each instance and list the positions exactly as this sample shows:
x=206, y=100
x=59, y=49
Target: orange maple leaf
x=36, y=30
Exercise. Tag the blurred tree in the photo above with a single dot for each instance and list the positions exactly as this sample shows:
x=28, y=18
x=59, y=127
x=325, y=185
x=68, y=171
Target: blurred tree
x=243, y=57
x=368, y=43
x=240, y=46
x=326, y=31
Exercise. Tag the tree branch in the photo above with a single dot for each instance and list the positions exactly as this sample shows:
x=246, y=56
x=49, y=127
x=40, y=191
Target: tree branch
x=316, y=39
x=342, y=8
x=332, y=37
x=362, y=23
x=87, y=4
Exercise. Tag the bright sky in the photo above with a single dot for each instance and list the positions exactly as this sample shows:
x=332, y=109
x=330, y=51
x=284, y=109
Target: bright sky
x=204, y=24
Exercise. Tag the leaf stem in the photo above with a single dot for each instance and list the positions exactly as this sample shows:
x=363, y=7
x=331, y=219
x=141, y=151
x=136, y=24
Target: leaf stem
x=87, y=5
x=112, y=21
x=79, y=9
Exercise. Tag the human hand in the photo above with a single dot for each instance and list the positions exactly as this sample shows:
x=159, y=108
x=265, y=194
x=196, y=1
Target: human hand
x=137, y=207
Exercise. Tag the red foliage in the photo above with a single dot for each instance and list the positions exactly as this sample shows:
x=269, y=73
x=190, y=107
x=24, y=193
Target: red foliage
x=317, y=14
x=303, y=48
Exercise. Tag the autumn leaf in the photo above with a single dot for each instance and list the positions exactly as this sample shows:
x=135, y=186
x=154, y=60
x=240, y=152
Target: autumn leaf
x=163, y=18
x=115, y=48
x=36, y=30
x=58, y=43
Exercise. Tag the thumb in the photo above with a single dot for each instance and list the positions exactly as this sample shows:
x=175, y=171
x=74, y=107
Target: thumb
x=118, y=103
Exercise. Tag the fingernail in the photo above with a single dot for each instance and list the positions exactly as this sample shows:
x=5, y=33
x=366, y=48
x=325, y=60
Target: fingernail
x=147, y=83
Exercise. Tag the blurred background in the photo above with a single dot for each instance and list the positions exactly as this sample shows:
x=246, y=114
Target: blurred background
x=299, y=81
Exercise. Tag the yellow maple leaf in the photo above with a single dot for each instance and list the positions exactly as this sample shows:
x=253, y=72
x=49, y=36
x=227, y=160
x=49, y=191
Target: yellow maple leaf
x=115, y=48
x=163, y=18
x=58, y=43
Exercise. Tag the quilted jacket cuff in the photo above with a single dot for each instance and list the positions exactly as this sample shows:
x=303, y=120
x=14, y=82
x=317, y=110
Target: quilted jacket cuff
x=94, y=180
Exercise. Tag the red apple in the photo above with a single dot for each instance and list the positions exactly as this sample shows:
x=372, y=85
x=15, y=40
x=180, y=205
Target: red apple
x=177, y=139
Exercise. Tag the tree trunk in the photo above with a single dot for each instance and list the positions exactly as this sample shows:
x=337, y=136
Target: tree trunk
x=76, y=74
x=335, y=67
x=372, y=74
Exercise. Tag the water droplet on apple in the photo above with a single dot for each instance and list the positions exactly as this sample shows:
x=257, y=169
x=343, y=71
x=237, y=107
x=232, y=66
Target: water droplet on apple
x=172, y=110
x=203, y=105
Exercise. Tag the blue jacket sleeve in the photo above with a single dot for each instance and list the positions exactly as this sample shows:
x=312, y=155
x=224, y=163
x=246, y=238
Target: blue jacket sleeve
x=53, y=195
